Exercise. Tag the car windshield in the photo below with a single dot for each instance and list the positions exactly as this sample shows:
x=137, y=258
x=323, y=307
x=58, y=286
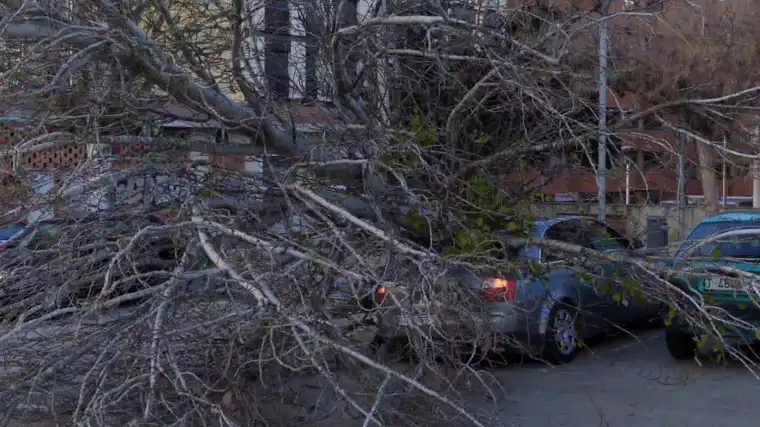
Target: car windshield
x=46, y=236
x=746, y=246
x=494, y=248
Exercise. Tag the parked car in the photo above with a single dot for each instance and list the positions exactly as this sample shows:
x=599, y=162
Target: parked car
x=33, y=259
x=703, y=263
x=545, y=316
x=7, y=232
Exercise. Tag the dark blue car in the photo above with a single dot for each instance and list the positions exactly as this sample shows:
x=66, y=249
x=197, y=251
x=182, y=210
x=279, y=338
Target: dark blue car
x=546, y=317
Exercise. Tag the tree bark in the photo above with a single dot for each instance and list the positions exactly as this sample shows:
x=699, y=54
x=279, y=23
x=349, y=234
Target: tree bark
x=707, y=176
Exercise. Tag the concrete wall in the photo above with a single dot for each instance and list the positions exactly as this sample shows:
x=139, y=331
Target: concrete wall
x=630, y=219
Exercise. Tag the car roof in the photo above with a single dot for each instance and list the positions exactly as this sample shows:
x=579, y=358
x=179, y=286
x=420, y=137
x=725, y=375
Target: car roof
x=548, y=222
x=69, y=221
x=543, y=224
x=738, y=215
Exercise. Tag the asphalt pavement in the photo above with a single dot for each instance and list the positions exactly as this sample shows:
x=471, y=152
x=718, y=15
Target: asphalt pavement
x=619, y=382
x=627, y=382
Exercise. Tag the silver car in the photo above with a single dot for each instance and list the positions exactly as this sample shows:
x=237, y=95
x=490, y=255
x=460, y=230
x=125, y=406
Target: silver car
x=547, y=313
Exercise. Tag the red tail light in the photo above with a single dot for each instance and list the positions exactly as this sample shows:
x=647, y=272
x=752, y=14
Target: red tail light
x=3, y=245
x=496, y=289
x=379, y=294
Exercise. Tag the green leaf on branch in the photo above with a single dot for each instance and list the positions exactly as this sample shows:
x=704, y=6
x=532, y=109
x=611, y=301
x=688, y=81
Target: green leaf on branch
x=604, y=287
x=617, y=297
x=414, y=221
x=425, y=134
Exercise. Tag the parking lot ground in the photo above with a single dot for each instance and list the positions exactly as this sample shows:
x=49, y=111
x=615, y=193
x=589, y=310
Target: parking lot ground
x=628, y=383
x=620, y=382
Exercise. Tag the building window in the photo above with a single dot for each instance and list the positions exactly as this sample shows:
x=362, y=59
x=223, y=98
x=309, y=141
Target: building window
x=654, y=5
x=643, y=5
x=222, y=136
x=690, y=170
x=254, y=46
x=324, y=77
x=277, y=27
x=283, y=52
x=718, y=167
x=297, y=56
x=652, y=160
x=738, y=171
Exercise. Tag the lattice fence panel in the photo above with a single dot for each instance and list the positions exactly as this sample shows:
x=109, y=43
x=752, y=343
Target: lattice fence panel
x=7, y=134
x=7, y=137
x=68, y=155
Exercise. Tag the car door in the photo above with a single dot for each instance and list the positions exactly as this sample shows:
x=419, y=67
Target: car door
x=574, y=276
x=8, y=231
x=605, y=239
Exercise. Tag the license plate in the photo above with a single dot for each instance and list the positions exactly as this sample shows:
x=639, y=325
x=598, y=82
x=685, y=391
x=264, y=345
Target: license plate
x=721, y=284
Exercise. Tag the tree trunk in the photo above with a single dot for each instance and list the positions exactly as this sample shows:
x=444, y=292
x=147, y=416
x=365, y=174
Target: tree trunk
x=707, y=176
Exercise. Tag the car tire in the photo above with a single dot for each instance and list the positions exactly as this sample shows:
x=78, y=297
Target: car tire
x=681, y=346
x=378, y=346
x=561, y=337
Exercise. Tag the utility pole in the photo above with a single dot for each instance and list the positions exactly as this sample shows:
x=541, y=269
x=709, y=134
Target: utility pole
x=601, y=167
x=681, y=190
x=755, y=169
x=756, y=183
x=723, y=173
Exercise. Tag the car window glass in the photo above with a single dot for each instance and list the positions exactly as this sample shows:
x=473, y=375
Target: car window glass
x=551, y=255
x=10, y=230
x=603, y=238
x=45, y=236
x=498, y=251
x=707, y=229
x=568, y=232
x=745, y=246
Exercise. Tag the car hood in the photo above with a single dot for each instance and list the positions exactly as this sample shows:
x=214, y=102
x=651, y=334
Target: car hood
x=752, y=266
x=696, y=282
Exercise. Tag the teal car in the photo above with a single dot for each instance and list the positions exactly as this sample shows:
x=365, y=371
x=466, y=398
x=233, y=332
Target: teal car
x=718, y=263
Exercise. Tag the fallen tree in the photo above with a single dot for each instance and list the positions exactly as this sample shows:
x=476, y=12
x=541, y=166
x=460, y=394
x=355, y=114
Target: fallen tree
x=429, y=111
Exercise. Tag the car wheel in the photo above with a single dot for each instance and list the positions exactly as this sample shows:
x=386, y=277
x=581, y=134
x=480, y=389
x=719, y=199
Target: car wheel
x=681, y=346
x=561, y=338
x=378, y=346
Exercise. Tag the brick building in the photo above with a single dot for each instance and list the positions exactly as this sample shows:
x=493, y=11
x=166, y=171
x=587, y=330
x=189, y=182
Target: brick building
x=286, y=58
x=643, y=162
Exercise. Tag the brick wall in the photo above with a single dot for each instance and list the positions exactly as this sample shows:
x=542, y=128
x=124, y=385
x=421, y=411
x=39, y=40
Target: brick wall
x=128, y=155
x=233, y=162
x=65, y=158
